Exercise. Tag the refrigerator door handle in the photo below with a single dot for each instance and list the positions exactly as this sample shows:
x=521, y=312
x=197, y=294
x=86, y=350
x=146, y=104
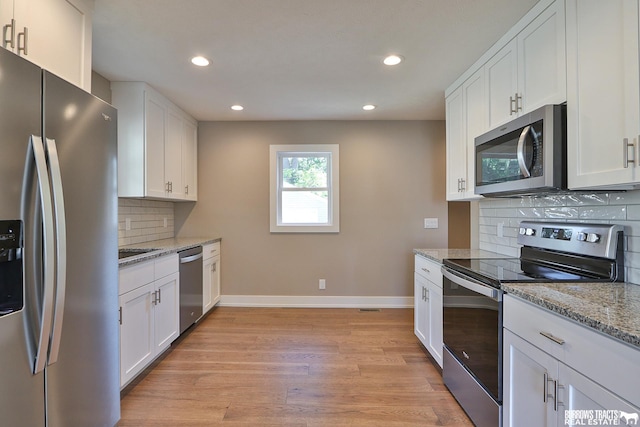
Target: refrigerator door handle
x=61, y=247
x=48, y=260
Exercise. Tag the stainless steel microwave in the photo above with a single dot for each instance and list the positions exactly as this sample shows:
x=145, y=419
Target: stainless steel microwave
x=524, y=156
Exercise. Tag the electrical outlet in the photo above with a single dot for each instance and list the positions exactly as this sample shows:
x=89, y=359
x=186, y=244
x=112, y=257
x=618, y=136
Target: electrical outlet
x=322, y=284
x=127, y=223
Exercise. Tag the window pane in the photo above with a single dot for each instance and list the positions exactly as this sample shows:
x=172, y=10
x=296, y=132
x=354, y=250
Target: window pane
x=305, y=207
x=304, y=172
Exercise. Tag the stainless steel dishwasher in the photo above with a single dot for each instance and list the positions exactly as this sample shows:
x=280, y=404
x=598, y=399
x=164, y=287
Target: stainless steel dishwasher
x=190, y=286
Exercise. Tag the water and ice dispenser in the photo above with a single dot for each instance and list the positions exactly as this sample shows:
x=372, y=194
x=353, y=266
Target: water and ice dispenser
x=11, y=245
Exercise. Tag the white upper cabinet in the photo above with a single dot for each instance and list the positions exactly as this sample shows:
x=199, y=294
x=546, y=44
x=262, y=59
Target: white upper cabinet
x=456, y=145
x=603, y=94
x=502, y=84
x=466, y=118
x=54, y=34
x=190, y=160
x=530, y=70
x=157, y=145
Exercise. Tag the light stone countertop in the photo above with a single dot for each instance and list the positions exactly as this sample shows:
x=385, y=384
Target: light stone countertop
x=163, y=247
x=611, y=308
x=438, y=255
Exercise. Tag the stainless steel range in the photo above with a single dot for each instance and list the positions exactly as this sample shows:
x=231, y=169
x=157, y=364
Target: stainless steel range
x=472, y=302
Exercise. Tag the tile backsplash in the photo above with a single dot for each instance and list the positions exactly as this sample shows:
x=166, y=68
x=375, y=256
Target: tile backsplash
x=610, y=208
x=147, y=221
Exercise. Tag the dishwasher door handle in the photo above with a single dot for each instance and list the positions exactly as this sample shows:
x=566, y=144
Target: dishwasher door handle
x=191, y=258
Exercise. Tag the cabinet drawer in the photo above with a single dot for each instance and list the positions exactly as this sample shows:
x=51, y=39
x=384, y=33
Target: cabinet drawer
x=428, y=269
x=609, y=362
x=166, y=265
x=134, y=276
x=210, y=250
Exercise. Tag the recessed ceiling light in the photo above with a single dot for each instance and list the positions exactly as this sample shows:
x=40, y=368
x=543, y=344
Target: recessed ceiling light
x=369, y=107
x=392, y=60
x=237, y=107
x=200, y=61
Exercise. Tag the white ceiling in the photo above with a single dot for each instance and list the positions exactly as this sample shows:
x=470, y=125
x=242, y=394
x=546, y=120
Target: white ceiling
x=299, y=59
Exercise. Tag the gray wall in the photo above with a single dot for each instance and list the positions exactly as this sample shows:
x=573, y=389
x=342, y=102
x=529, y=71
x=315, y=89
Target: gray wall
x=392, y=175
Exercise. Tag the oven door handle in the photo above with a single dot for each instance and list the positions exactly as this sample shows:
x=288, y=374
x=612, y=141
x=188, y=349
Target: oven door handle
x=471, y=284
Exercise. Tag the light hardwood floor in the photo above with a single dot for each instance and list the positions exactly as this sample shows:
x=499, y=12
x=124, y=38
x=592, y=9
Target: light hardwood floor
x=295, y=367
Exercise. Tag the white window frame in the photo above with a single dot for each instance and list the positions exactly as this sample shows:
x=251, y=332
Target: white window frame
x=276, y=152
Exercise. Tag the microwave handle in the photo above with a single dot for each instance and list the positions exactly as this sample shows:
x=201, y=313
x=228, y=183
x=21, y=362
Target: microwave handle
x=520, y=152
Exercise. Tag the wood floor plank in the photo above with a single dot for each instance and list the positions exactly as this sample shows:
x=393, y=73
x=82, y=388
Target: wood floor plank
x=295, y=367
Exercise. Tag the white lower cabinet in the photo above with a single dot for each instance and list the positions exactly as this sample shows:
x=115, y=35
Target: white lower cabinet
x=210, y=276
x=428, y=306
x=149, y=313
x=559, y=373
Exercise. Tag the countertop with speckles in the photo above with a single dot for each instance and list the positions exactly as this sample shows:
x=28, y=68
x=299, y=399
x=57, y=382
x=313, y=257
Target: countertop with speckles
x=438, y=255
x=158, y=248
x=611, y=308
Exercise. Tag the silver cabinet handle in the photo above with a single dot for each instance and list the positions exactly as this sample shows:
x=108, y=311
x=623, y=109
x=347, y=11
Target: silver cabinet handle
x=24, y=46
x=555, y=395
x=120, y=315
x=159, y=296
x=545, y=379
x=426, y=270
x=514, y=104
x=625, y=152
x=464, y=184
x=553, y=338
x=60, y=245
x=186, y=189
x=11, y=29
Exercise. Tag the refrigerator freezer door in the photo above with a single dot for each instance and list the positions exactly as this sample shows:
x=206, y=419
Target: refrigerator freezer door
x=21, y=392
x=83, y=384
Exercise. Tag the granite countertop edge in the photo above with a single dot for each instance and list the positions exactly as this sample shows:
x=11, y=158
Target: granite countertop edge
x=158, y=248
x=618, y=329
x=615, y=329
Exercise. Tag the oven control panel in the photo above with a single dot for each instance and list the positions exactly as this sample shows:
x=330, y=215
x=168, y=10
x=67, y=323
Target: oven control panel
x=599, y=240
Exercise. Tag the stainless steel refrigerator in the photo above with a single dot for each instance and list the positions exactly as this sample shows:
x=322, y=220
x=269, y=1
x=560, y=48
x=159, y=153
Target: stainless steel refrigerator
x=59, y=357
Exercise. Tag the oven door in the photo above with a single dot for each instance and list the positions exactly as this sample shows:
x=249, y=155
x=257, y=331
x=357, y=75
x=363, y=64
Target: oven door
x=472, y=314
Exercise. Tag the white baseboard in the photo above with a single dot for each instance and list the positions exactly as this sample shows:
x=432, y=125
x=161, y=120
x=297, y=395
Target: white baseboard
x=314, y=301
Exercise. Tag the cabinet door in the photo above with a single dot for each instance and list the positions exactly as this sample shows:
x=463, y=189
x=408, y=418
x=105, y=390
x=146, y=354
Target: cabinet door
x=578, y=393
x=173, y=155
x=434, y=313
x=215, y=281
x=207, y=279
x=155, y=132
x=136, y=331
x=420, y=320
x=542, y=74
x=58, y=37
x=456, y=145
x=603, y=93
x=528, y=383
x=167, y=311
x=501, y=73
x=476, y=123
x=190, y=160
